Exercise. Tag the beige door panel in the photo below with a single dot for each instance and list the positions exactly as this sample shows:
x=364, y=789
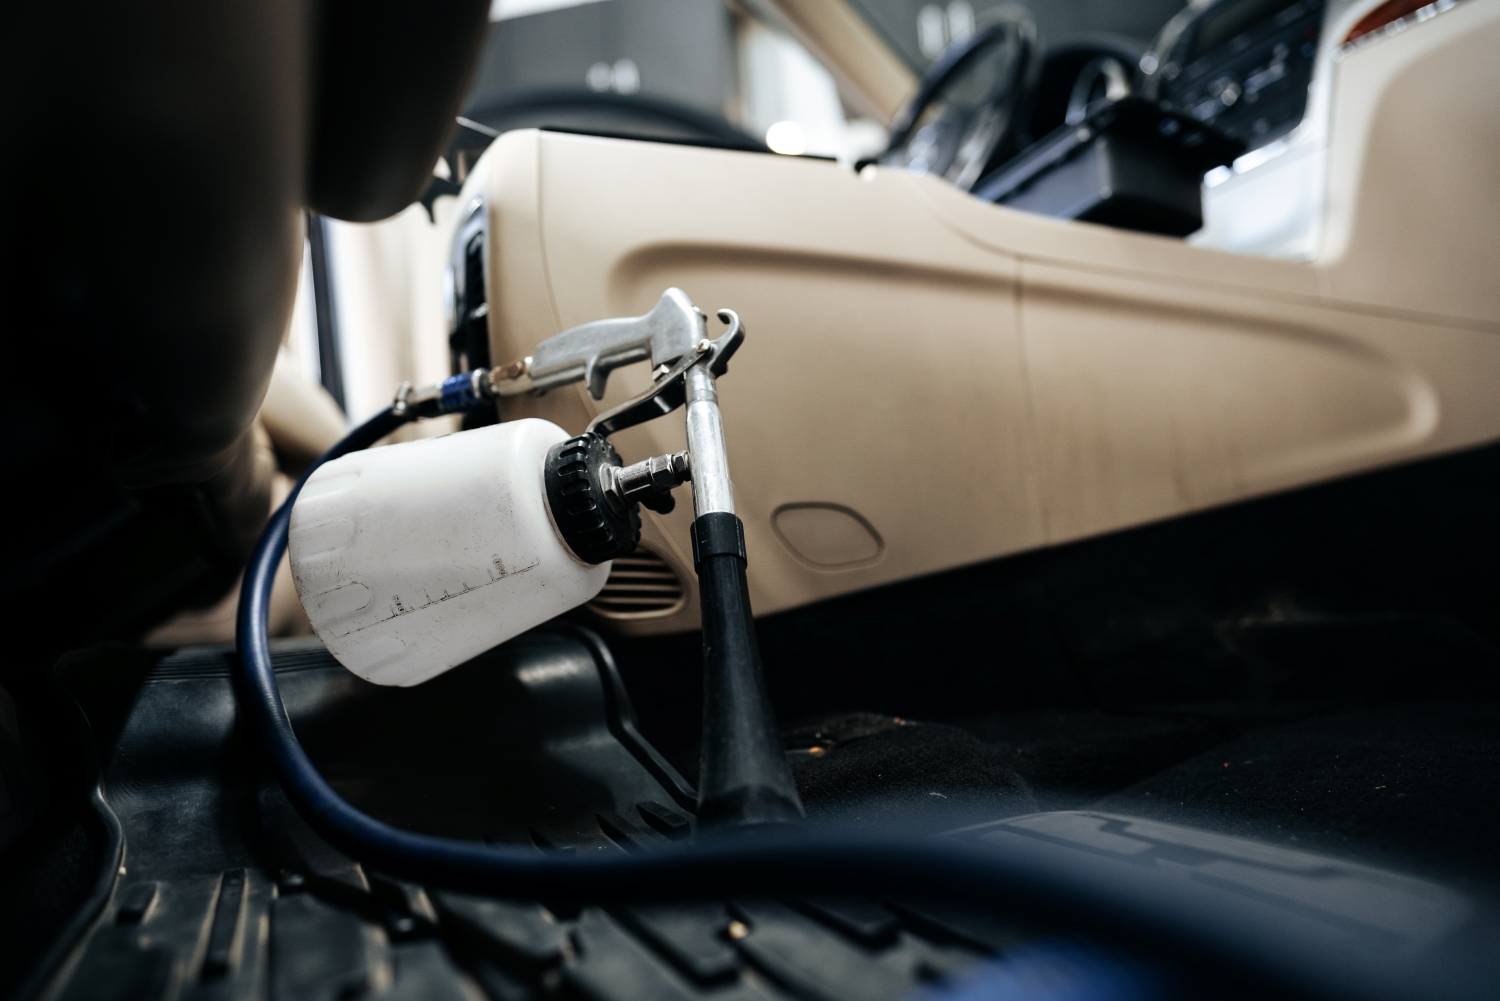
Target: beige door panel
x=858, y=304
x=1152, y=400
x=607, y=205
x=930, y=381
x=877, y=415
x=847, y=471
x=506, y=183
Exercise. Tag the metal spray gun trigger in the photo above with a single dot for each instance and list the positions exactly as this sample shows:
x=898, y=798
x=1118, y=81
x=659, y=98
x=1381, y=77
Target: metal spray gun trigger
x=671, y=336
x=591, y=351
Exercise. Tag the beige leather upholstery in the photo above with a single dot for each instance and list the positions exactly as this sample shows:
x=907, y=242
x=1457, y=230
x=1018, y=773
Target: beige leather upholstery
x=968, y=381
x=297, y=422
x=302, y=419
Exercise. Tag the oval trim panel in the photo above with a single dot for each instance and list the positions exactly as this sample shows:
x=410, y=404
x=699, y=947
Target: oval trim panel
x=827, y=536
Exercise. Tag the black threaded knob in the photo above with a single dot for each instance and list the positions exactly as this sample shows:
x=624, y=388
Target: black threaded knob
x=589, y=524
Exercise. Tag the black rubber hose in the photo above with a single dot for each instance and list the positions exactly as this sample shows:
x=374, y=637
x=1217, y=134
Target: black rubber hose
x=804, y=860
x=1036, y=887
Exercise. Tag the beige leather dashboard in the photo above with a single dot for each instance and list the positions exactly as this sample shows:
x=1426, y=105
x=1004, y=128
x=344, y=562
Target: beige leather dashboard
x=930, y=381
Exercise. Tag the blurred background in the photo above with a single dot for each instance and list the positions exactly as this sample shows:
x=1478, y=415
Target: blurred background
x=716, y=72
x=370, y=309
x=697, y=69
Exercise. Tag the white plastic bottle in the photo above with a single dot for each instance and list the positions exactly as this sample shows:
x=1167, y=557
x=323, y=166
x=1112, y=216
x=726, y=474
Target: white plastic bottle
x=413, y=558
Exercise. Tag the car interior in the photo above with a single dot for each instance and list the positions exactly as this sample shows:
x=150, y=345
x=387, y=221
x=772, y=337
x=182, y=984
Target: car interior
x=833, y=500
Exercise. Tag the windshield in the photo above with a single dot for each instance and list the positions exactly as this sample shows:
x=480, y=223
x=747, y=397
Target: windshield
x=917, y=30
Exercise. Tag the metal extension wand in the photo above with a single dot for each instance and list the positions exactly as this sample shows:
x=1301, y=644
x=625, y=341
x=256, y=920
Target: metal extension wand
x=744, y=778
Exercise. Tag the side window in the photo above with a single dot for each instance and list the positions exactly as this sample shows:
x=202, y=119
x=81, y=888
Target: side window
x=702, y=71
x=791, y=102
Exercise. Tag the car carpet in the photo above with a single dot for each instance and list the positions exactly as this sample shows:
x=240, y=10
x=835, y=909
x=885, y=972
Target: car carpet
x=864, y=770
x=925, y=773
x=1415, y=785
x=1071, y=757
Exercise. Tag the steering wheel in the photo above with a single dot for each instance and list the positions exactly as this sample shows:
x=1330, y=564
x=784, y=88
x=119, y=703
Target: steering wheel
x=971, y=105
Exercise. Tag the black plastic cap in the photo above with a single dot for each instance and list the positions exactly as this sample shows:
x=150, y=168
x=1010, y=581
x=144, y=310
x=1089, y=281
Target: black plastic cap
x=591, y=527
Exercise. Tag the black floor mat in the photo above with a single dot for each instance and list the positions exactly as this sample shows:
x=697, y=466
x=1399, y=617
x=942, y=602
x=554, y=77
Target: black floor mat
x=1415, y=784
x=1073, y=757
x=225, y=893
x=863, y=770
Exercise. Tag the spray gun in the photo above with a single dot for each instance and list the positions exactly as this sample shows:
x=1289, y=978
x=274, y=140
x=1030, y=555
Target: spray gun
x=424, y=499
x=414, y=558
x=400, y=614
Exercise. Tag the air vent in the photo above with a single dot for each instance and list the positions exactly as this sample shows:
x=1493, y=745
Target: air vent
x=639, y=584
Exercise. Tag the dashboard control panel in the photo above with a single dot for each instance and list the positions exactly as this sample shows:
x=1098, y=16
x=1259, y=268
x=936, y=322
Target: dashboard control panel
x=1242, y=66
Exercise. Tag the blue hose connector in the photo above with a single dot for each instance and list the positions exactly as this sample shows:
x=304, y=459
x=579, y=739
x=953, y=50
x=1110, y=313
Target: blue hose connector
x=460, y=392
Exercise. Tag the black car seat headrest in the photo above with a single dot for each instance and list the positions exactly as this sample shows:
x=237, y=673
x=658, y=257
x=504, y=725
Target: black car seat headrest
x=391, y=77
x=157, y=160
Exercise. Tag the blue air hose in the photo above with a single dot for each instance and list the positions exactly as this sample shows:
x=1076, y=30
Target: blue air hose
x=757, y=861
x=737, y=865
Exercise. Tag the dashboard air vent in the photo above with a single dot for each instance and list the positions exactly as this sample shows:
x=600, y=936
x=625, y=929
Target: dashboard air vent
x=639, y=584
